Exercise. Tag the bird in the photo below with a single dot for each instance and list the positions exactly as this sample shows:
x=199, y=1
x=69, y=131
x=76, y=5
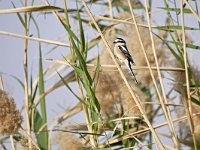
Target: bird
x=122, y=54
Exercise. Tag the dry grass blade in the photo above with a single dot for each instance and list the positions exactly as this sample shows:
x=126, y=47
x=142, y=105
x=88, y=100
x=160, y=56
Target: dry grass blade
x=168, y=104
x=68, y=113
x=165, y=109
x=29, y=137
x=146, y=58
x=34, y=39
x=192, y=10
x=140, y=132
x=185, y=59
x=124, y=78
x=1, y=82
x=68, y=78
x=12, y=142
x=141, y=145
x=188, y=101
x=120, y=21
x=110, y=8
x=126, y=21
x=105, y=67
x=48, y=69
x=29, y=9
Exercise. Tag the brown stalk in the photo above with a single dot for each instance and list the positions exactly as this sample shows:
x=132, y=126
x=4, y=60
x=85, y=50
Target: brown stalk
x=26, y=78
x=188, y=102
x=147, y=61
x=165, y=109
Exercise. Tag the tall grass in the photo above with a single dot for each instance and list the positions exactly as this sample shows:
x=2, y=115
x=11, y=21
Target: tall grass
x=162, y=108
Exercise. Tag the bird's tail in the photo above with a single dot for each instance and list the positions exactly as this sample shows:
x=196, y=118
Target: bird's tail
x=133, y=75
x=130, y=68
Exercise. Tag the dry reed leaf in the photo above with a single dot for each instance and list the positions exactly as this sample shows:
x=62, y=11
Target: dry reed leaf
x=34, y=39
x=29, y=9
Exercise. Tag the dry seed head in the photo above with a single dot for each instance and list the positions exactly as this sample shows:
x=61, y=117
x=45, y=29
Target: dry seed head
x=129, y=105
x=10, y=117
x=108, y=92
x=179, y=79
x=179, y=85
x=110, y=87
x=108, y=82
x=68, y=141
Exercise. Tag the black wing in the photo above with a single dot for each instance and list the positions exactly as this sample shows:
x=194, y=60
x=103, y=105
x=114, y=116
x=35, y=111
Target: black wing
x=124, y=49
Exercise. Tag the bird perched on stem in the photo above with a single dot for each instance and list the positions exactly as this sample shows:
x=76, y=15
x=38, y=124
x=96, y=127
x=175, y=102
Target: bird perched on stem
x=122, y=54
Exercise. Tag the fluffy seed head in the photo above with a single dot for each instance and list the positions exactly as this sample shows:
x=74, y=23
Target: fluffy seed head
x=10, y=117
x=179, y=85
x=69, y=141
x=111, y=91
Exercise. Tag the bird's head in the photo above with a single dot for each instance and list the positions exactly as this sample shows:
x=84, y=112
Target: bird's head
x=119, y=41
